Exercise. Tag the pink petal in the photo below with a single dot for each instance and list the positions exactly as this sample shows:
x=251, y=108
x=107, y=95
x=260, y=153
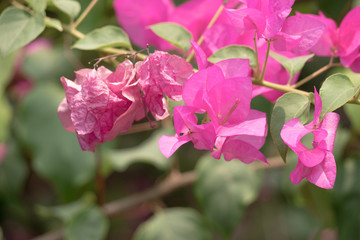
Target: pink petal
x=230, y=99
x=234, y=67
x=299, y=173
x=309, y=29
x=349, y=32
x=200, y=55
x=236, y=149
x=253, y=130
x=184, y=119
x=169, y=144
x=247, y=19
x=324, y=174
x=292, y=132
x=135, y=20
x=64, y=116
x=311, y=158
x=329, y=123
x=194, y=89
x=195, y=15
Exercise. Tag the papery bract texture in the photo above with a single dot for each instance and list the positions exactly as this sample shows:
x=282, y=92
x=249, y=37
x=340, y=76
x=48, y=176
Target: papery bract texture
x=100, y=104
x=317, y=165
x=162, y=73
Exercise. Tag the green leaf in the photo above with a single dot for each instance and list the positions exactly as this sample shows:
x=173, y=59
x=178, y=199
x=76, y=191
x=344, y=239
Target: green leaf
x=174, y=224
x=54, y=23
x=292, y=65
x=288, y=106
x=224, y=189
x=7, y=66
x=335, y=92
x=91, y=224
x=108, y=36
x=147, y=152
x=37, y=5
x=173, y=33
x=5, y=119
x=234, y=51
x=56, y=153
x=20, y=28
x=69, y=7
x=353, y=113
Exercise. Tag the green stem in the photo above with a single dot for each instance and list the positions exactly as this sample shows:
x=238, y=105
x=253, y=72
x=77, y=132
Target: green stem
x=316, y=73
x=211, y=23
x=257, y=56
x=265, y=62
x=280, y=87
x=84, y=14
x=99, y=178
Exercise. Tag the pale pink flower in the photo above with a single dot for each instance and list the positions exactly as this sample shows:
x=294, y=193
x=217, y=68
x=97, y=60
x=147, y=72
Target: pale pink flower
x=100, y=104
x=162, y=73
x=317, y=165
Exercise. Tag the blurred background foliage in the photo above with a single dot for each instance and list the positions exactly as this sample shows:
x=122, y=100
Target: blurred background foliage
x=46, y=181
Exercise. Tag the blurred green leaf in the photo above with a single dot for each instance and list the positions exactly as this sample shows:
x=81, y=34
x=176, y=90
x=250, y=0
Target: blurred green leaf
x=90, y=224
x=7, y=70
x=174, y=224
x=6, y=115
x=68, y=211
x=108, y=36
x=37, y=5
x=47, y=65
x=13, y=172
x=147, y=152
x=224, y=189
x=292, y=65
x=56, y=153
x=234, y=51
x=54, y=23
x=173, y=33
x=288, y=106
x=335, y=92
x=353, y=113
x=70, y=7
x=20, y=28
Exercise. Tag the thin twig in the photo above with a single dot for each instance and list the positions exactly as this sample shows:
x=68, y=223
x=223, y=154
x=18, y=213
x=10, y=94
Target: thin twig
x=112, y=209
x=211, y=23
x=316, y=73
x=265, y=62
x=84, y=14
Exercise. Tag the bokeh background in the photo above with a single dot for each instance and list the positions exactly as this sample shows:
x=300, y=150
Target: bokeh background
x=45, y=177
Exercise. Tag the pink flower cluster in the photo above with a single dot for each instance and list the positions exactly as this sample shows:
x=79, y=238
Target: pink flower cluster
x=342, y=42
x=100, y=104
x=318, y=164
x=221, y=94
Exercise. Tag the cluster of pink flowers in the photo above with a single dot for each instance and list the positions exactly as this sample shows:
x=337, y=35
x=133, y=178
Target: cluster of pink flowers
x=216, y=116
x=221, y=94
x=100, y=104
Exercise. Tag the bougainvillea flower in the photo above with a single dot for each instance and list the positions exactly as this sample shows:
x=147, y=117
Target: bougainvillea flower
x=100, y=104
x=194, y=15
x=135, y=20
x=266, y=16
x=299, y=33
x=340, y=42
x=228, y=124
x=317, y=165
x=162, y=73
